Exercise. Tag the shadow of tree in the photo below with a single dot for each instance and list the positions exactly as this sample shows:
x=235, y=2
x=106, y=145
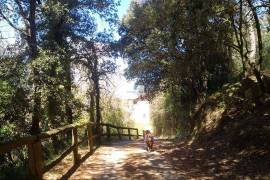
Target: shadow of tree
x=218, y=161
x=130, y=160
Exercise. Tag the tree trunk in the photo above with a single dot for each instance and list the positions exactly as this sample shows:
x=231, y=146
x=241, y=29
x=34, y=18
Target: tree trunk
x=257, y=66
x=32, y=42
x=95, y=78
x=241, y=41
x=92, y=107
x=68, y=102
x=52, y=117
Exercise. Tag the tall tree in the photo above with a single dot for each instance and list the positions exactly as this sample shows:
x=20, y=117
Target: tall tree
x=95, y=56
x=182, y=50
x=67, y=24
x=12, y=12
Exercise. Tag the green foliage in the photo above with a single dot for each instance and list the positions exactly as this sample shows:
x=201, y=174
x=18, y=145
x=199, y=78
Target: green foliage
x=50, y=68
x=114, y=116
x=5, y=96
x=13, y=96
x=41, y=84
x=178, y=49
x=112, y=112
x=171, y=113
x=163, y=50
x=17, y=172
x=188, y=50
x=266, y=39
x=52, y=87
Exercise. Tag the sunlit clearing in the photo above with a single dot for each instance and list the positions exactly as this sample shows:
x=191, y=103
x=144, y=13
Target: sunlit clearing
x=115, y=157
x=141, y=115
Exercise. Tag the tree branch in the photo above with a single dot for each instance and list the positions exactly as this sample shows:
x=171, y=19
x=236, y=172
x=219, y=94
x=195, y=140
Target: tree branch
x=12, y=24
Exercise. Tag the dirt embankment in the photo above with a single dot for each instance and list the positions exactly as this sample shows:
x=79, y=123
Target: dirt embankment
x=232, y=129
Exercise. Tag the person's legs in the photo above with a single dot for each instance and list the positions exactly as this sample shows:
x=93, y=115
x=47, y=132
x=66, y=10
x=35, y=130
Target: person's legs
x=148, y=145
x=152, y=143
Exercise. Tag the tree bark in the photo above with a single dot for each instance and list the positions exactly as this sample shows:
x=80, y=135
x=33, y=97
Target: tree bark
x=32, y=42
x=68, y=89
x=258, y=66
x=92, y=107
x=241, y=41
x=95, y=78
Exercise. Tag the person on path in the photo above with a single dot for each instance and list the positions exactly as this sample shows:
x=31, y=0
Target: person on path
x=149, y=140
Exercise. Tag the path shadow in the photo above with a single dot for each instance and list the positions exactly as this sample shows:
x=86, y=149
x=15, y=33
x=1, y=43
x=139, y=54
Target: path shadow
x=215, y=160
x=73, y=169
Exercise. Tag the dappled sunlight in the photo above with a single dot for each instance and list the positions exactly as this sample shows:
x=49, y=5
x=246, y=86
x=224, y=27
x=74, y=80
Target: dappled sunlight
x=130, y=160
x=82, y=80
x=213, y=116
x=115, y=157
x=122, y=159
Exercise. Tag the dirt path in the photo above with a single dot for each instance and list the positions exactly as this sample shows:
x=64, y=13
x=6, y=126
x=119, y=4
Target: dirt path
x=121, y=160
x=125, y=160
x=130, y=160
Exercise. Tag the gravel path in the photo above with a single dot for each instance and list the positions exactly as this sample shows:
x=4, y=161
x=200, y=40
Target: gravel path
x=120, y=160
x=130, y=160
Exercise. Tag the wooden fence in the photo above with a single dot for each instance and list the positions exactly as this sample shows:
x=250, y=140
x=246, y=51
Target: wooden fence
x=119, y=130
x=36, y=163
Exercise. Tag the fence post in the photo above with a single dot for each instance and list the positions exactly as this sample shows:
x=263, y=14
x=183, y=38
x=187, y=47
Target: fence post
x=35, y=159
x=129, y=135
x=75, y=146
x=119, y=134
x=90, y=137
x=137, y=133
x=108, y=132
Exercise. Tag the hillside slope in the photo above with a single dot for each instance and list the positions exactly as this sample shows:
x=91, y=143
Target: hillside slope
x=234, y=126
x=239, y=114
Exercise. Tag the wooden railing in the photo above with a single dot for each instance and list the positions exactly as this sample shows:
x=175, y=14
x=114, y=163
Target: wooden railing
x=119, y=130
x=37, y=166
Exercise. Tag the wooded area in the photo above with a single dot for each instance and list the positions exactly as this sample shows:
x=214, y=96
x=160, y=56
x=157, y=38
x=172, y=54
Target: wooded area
x=35, y=159
x=203, y=65
x=37, y=72
x=184, y=51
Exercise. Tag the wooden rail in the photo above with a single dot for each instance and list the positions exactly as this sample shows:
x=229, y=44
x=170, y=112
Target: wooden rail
x=118, y=129
x=34, y=144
